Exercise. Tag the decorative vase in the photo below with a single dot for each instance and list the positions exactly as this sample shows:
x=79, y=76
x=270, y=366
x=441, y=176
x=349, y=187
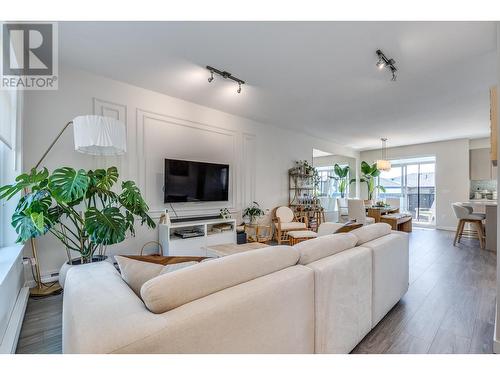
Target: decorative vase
x=76, y=262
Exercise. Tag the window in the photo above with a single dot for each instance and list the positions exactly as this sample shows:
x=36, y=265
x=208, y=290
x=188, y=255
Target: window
x=9, y=160
x=329, y=186
x=412, y=181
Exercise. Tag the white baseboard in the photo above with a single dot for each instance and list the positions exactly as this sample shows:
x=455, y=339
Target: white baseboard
x=45, y=279
x=9, y=342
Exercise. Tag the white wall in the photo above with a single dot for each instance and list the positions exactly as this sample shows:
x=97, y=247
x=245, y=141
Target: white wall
x=496, y=344
x=452, y=173
x=158, y=127
x=479, y=143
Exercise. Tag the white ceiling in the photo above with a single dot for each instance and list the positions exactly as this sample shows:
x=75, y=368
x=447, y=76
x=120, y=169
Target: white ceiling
x=317, y=77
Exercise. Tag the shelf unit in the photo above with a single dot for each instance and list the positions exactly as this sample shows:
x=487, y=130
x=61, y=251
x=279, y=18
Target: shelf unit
x=302, y=197
x=195, y=246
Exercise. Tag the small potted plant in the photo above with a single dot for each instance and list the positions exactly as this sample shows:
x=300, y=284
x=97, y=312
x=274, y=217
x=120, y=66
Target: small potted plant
x=224, y=213
x=253, y=212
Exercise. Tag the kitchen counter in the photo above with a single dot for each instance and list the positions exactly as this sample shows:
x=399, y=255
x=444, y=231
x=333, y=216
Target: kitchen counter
x=482, y=202
x=489, y=207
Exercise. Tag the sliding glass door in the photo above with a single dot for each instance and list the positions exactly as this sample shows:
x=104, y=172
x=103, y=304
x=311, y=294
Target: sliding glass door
x=412, y=181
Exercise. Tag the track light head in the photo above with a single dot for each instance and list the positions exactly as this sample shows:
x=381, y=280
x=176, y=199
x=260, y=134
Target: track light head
x=384, y=62
x=226, y=75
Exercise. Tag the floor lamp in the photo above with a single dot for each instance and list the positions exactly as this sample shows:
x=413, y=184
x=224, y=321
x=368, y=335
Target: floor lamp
x=93, y=135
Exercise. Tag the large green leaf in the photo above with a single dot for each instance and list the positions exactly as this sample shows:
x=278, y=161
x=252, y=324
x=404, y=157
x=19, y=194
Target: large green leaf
x=338, y=170
x=130, y=219
x=100, y=181
x=104, y=179
x=365, y=168
x=105, y=227
x=24, y=181
x=68, y=185
x=24, y=226
x=31, y=218
x=132, y=200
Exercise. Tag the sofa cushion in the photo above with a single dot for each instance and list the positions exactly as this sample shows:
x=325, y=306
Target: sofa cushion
x=390, y=271
x=135, y=273
x=294, y=225
x=328, y=228
x=321, y=247
x=343, y=300
x=371, y=232
x=166, y=292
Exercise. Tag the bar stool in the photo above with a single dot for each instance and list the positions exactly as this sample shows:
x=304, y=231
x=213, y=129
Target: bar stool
x=464, y=215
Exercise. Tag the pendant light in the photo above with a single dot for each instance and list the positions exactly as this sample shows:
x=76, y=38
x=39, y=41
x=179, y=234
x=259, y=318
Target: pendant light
x=383, y=164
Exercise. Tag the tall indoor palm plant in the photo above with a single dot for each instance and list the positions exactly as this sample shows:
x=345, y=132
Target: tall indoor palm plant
x=369, y=174
x=76, y=206
x=342, y=176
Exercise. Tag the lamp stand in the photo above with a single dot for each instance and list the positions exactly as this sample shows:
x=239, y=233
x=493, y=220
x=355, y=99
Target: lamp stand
x=42, y=289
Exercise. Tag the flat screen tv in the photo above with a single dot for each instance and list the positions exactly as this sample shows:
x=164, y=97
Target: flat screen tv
x=192, y=181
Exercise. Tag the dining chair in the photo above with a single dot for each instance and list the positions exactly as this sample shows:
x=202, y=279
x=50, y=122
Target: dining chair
x=342, y=209
x=356, y=211
x=393, y=202
x=465, y=214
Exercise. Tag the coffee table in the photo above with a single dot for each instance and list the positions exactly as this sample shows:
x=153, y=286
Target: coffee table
x=232, y=248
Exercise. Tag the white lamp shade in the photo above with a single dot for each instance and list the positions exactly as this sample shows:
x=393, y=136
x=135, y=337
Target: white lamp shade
x=383, y=165
x=99, y=135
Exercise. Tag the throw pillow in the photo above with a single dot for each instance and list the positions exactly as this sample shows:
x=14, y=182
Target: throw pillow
x=135, y=273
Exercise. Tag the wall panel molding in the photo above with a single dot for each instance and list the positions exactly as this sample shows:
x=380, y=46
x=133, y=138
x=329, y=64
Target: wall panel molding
x=119, y=112
x=145, y=119
x=248, y=169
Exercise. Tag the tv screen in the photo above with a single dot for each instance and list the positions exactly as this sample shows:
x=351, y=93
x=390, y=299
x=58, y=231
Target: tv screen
x=192, y=181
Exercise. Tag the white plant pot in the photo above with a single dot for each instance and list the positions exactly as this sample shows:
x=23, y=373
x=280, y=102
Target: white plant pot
x=75, y=263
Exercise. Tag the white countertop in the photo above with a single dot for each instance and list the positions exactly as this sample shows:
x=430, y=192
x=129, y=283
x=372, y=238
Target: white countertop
x=482, y=202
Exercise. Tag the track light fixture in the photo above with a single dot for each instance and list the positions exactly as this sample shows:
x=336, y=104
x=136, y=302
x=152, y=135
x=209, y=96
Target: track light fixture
x=225, y=75
x=384, y=62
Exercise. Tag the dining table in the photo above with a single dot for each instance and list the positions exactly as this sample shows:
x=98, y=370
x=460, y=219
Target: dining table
x=377, y=211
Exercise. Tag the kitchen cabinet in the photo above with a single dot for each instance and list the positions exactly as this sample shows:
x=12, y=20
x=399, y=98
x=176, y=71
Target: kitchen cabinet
x=480, y=165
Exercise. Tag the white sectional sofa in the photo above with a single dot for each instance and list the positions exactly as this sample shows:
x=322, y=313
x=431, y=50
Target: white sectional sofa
x=320, y=296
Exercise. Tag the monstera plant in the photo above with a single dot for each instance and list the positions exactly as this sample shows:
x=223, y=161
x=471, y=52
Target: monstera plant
x=369, y=173
x=78, y=207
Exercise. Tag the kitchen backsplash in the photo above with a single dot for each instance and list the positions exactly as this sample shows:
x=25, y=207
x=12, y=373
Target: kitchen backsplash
x=476, y=185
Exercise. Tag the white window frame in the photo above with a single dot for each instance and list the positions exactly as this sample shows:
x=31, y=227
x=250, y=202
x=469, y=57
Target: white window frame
x=8, y=171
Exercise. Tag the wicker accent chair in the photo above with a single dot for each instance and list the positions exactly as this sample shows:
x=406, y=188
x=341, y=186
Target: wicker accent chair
x=285, y=220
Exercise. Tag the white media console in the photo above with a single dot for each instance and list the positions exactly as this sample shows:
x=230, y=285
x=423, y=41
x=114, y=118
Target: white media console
x=173, y=245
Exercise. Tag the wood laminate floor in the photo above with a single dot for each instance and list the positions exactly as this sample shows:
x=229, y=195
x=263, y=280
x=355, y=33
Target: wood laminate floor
x=450, y=304
x=449, y=307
